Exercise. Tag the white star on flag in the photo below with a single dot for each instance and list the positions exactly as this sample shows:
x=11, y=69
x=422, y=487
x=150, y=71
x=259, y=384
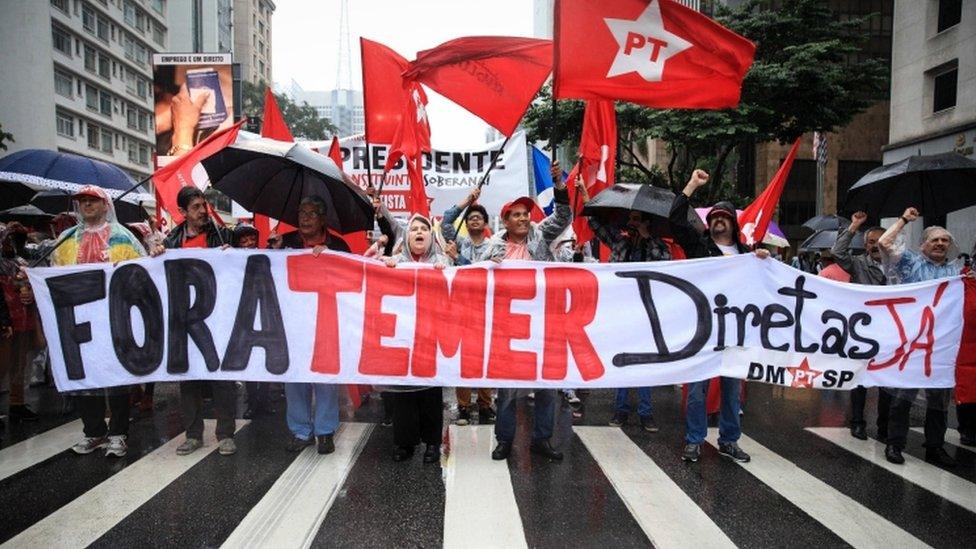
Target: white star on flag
x=421, y=110
x=644, y=44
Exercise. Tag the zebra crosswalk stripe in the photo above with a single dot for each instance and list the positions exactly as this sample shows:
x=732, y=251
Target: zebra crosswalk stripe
x=38, y=448
x=93, y=513
x=851, y=521
x=290, y=514
x=941, y=483
x=666, y=514
x=951, y=436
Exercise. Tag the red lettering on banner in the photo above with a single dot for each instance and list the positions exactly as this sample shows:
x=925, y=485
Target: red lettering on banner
x=564, y=325
x=503, y=362
x=926, y=330
x=377, y=359
x=452, y=319
x=325, y=276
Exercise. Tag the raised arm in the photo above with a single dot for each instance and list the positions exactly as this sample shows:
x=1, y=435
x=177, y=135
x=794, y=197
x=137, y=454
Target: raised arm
x=842, y=247
x=684, y=233
x=451, y=215
x=887, y=240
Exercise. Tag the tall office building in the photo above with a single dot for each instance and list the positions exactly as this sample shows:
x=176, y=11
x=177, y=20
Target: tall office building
x=78, y=77
x=201, y=26
x=252, y=39
x=344, y=108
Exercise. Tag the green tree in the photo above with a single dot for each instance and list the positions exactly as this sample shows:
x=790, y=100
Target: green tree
x=805, y=77
x=4, y=136
x=302, y=120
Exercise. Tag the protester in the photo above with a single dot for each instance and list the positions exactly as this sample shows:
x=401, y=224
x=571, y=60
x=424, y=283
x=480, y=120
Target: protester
x=312, y=422
x=418, y=411
x=966, y=385
x=464, y=250
x=905, y=266
x=17, y=347
x=523, y=240
x=637, y=244
x=258, y=399
x=721, y=239
x=99, y=238
x=198, y=231
x=863, y=269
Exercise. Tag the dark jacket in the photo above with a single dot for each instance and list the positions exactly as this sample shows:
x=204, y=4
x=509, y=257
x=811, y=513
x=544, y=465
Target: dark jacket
x=694, y=243
x=216, y=236
x=862, y=268
x=294, y=240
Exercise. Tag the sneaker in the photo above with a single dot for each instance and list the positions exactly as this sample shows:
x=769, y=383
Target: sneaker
x=21, y=412
x=858, y=431
x=116, y=446
x=298, y=444
x=619, y=419
x=387, y=422
x=89, y=445
x=571, y=399
x=189, y=446
x=486, y=416
x=227, y=447
x=464, y=416
x=732, y=450
x=691, y=452
x=326, y=444
x=648, y=424
x=893, y=455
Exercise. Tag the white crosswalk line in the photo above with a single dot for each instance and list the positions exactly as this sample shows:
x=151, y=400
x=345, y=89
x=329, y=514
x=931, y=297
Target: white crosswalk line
x=292, y=511
x=851, y=521
x=470, y=470
x=666, y=514
x=951, y=436
x=38, y=448
x=95, y=512
x=941, y=483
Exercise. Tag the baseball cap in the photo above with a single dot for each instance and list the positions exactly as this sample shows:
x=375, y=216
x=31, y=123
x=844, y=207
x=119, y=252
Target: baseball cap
x=525, y=201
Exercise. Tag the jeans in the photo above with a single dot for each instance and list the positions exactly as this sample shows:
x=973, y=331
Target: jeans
x=644, y=406
x=936, y=416
x=303, y=421
x=696, y=420
x=92, y=412
x=224, y=404
x=545, y=414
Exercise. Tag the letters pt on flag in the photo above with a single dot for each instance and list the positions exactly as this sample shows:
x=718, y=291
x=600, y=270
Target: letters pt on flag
x=657, y=53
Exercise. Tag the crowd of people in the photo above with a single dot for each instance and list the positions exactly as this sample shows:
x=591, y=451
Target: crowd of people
x=417, y=413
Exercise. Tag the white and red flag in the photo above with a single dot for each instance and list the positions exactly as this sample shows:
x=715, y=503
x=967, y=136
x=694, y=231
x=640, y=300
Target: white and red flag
x=657, y=53
x=755, y=218
x=598, y=156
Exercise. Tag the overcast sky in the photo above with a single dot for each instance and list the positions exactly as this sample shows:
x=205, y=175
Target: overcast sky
x=306, y=44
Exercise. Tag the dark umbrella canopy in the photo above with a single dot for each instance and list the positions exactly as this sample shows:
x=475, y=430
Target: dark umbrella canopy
x=825, y=239
x=936, y=185
x=826, y=223
x=28, y=215
x=41, y=165
x=57, y=201
x=619, y=199
x=271, y=178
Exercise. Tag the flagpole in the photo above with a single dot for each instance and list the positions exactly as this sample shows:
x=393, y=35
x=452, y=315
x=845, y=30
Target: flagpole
x=484, y=178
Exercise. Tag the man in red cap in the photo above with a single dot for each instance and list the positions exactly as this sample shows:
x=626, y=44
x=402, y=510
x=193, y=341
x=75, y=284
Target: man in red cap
x=525, y=240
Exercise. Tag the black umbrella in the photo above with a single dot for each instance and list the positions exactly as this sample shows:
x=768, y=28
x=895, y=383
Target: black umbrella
x=826, y=223
x=26, y=214
x=57, y=201
x=824, y=240
x=271, y=177
x=936, y=185
x=614, y=203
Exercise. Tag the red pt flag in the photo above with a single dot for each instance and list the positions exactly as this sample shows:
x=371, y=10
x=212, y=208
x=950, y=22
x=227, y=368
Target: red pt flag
x=657, y=53
x=493, y=77
x=755, y=218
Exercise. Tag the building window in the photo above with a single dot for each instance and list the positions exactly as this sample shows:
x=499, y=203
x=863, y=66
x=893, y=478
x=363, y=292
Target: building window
x=102, y=28
x=61, y=5
x=91, y=59
x=61, y=40
x=131, y=118
x=143, y=154
x=63, y=84
x=91, y=98
x=133, y=153
x=142, y=88
x=93, y=136
x=950, y=13
x=129, y=13
x=105, y=103
x=104, y=67
x=159, y=6
x=159, y=35
x=65, y=124
x=143, y=121
x=106, y=141
x=944, y=90
x=88, y=18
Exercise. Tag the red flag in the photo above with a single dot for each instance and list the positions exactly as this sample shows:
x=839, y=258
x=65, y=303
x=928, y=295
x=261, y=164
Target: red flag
x=179, y=173
x=755, y=218
x=273, y=124
x=335, y=152
x=396, y=114
x=657, y=53
x=598, y=155
x=493, y=77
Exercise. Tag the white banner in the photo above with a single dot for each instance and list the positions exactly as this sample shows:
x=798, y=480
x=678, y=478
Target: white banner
x=449, y=174
x=290, y=317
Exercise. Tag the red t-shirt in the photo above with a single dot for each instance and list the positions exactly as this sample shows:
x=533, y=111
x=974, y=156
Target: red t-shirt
x=198, y=241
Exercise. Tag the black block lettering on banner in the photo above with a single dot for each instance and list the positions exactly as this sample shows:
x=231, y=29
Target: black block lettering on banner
x=131, y=286
x=703, y=327
x=800, y=294
x=855, y=352
x=258, y=291
x=186, y=320
x=67, y=292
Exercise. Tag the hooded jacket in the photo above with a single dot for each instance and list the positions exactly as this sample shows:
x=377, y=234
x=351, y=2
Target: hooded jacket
x=694, y=243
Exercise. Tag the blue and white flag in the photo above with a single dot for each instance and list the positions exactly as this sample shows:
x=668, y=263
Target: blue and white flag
x=543, y=181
